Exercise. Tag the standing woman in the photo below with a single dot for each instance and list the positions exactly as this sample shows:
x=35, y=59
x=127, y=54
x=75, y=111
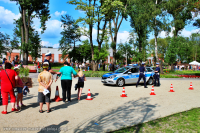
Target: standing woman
x=81, y=80
x=8, y=78
x=66, y=80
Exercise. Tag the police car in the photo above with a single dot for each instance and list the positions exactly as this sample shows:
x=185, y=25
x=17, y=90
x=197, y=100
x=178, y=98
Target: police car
x=127, y=75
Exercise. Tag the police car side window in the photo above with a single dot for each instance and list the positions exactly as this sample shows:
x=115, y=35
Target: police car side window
x=134, y=70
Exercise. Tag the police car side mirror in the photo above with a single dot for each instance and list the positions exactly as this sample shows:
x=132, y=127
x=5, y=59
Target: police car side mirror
x=129, y=72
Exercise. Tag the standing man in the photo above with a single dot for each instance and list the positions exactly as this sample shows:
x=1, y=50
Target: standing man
x=157, y=75
x=142, y=69
x=48, y=58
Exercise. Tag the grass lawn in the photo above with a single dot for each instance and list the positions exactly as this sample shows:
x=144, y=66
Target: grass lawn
x=188, y=121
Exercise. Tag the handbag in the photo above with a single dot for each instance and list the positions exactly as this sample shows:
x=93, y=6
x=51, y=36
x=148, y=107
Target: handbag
x=76, y=86
x=14, y=88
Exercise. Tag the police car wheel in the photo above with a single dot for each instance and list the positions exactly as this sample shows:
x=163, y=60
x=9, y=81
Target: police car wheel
x=150, y=81
x=120, y=82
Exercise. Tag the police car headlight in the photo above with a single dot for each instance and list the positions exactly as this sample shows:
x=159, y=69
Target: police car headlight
x=113, y=76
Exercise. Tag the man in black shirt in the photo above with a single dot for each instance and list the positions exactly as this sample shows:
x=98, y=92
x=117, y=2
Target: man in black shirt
x=142, y=75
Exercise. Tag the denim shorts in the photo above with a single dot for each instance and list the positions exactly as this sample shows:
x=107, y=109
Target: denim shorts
x=19, y=89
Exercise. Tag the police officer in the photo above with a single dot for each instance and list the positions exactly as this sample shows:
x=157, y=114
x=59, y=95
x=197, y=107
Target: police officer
x=142, y=75
x=157, y=75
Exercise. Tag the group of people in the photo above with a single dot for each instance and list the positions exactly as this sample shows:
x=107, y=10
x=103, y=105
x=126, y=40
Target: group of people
x=45, y=80
x=142, y=70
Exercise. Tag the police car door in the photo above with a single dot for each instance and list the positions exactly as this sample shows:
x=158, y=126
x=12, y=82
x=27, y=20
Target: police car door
x=133, y=75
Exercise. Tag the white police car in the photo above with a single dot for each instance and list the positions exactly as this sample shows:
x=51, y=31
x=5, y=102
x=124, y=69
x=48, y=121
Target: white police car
x=127, y=75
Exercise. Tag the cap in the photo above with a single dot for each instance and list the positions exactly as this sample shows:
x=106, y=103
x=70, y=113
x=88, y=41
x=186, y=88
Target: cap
x=16, y=67
x=4, y=59
x=143, y=63
x=157, y=63
x=46, y=63
x=48, y=54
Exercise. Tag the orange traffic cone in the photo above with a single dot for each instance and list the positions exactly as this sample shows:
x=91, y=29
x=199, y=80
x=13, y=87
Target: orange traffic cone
x=89, y=95
x=171, y=88
x=57, y=97
x=191, y=88
x=152, y=91
x=123, y=93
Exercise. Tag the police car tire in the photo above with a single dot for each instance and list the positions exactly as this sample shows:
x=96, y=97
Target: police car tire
x=150, y=81
x=120, y=80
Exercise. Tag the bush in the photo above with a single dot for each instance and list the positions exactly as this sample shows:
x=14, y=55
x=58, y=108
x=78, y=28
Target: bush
x=24, y=72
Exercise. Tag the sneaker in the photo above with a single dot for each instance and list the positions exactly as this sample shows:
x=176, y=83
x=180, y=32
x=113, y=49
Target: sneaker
x=14, y=109
x=146, y=87
x=4, y=112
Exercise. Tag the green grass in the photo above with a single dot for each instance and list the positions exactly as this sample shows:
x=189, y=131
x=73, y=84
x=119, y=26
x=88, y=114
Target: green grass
x=167, y=71
x=168, y=76
x=187, y=121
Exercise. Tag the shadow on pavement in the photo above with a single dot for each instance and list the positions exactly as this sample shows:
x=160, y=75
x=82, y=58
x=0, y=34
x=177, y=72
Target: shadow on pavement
x=54, y=128
x=128, y=114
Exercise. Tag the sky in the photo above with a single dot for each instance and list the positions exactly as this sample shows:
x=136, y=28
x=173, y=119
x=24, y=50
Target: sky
x=10, y=11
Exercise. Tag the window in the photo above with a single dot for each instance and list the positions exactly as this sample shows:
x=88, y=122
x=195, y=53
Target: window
x=148, y=69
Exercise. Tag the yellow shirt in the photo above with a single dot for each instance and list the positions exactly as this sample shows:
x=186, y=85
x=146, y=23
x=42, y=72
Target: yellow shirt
x=45, y=77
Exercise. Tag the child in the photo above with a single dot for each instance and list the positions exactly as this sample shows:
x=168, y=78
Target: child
x=45, y=80
x=19, y=86
x=81, y=80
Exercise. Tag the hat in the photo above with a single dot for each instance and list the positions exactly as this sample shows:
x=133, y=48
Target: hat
x=4, y=59
x=143, y=63
x=157, y=63
x=16, y=67
x=48, y=54
x=47, y=63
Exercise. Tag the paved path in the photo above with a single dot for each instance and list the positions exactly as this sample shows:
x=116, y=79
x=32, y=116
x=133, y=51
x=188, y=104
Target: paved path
x=107, y=111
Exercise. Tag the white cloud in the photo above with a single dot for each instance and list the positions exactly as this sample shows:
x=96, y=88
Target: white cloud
x=56, y=45
x=186, y=33
x=7, y=16
x=59, y=13
x=45, y=43
x=164, y=34
x=122, y=37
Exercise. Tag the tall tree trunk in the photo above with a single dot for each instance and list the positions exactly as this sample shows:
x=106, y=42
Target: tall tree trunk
x=26, y=35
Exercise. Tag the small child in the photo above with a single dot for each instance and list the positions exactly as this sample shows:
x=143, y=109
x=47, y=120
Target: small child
x=19, y=86
x=81, y=80
x=45, y=80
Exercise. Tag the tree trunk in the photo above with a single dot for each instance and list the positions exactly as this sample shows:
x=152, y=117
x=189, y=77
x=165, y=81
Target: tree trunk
x=172, y=67
x=26, y=35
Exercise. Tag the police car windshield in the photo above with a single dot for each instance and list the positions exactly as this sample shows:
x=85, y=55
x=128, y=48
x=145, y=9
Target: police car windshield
x=121, y=70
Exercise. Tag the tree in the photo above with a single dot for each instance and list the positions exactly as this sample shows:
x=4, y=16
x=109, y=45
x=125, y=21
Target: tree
x=30, y=9
x=195, y=40
x=171, y=54
x=140, y=21
x=35, y=51
x=125, y=50
x=70, y=35
x=92, y=8
x=181, y=13
x=162, y=46
x=4, y=42
x=116, y=10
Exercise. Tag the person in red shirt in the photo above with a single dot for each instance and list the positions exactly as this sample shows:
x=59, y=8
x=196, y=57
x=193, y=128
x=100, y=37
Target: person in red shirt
x=8, y=78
